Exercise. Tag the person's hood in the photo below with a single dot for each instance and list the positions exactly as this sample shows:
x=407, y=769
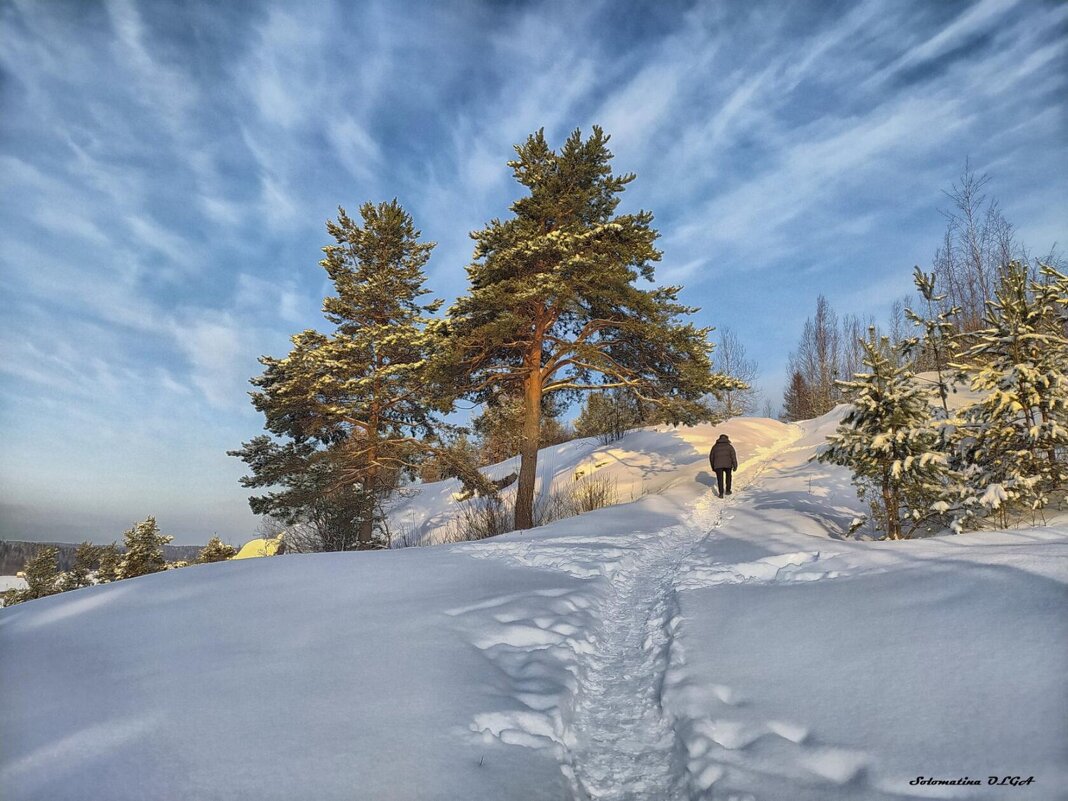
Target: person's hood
x=723, y=438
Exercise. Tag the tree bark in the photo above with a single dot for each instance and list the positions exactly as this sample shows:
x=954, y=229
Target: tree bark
x=890, y=502
x=528, y=449
x=367, y=528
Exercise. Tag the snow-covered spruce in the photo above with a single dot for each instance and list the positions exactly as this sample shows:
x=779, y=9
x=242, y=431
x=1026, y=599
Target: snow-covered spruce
x=887, y=439
x=1013, y=444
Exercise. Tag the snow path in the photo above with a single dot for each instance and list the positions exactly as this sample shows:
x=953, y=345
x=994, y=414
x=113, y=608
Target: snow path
x=588, y=665
x=623, y=745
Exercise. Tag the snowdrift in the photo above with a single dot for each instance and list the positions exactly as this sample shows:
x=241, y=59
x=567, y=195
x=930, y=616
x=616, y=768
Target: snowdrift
x=673, y=647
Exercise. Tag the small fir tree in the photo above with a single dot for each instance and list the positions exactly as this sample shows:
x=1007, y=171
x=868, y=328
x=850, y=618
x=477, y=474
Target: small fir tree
x=456, y=457
x=796, y=401
x=86, y=562
x=499, y=427
x=887, y=440
x=216, y=551
x=144, y=550
x=608, y=415
x=1012, y=442
x=42, y=577
x=109, y=562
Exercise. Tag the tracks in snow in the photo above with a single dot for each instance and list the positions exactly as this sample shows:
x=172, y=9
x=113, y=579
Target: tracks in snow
x=624, y=745
x=613, y=737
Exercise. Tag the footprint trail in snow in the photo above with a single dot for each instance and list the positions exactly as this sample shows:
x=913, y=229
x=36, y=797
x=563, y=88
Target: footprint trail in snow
x=614, y=739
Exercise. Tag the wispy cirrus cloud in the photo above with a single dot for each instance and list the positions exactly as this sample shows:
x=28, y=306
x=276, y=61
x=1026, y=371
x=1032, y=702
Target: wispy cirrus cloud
x=165, y=171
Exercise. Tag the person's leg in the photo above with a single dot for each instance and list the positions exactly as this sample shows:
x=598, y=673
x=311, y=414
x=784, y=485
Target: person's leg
x=729, y=473
x=719, y=480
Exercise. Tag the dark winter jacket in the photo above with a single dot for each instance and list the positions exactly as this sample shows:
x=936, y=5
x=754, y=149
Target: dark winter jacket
x=722, y=454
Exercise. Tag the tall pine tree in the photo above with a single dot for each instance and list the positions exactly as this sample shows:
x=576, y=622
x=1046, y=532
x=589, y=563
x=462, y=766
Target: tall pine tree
x=553, y=308
x=346, y=409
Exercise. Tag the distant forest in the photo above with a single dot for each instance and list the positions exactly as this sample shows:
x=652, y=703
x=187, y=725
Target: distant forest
x=15, y=553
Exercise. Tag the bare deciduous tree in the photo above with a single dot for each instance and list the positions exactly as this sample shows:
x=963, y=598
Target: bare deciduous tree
x=978, y=242
x=729, y=358
x=817, y=358
x=854, y=332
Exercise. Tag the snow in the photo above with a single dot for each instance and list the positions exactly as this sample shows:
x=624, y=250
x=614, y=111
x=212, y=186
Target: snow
x=678, y=646
x=12, y=583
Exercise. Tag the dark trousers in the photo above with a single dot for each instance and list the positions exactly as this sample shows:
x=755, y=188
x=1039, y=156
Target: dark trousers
x=722, y=472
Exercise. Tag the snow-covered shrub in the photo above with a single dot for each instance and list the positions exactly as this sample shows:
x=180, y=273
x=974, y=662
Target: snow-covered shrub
x=216, y=551
x=479, y=518
x=487, y=516
x=589, y=493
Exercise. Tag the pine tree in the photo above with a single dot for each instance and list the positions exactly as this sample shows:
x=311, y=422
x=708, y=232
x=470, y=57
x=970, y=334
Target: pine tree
x=553, y=309
x=500, y=427
x=1013, y=441
x=144, y=550
x=216, y=551
x=348, y=407
x=938, y=332
x=887, y=440
x=86, y=560
x=109, y=562
x=42, y=577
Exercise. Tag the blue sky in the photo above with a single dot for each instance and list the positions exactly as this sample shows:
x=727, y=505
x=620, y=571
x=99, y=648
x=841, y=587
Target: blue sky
x=166, y=170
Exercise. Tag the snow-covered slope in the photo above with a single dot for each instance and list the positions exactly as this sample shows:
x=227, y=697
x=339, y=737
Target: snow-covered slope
x=679, y=646
x=647, y=461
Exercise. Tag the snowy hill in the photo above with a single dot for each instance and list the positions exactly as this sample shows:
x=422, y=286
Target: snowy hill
x=677, y=646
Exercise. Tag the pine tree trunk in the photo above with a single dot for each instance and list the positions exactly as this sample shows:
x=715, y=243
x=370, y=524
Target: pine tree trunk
x=370, y=482
x=893, y=524
x=528, y=450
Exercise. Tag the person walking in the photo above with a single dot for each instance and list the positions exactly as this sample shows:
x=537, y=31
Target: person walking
x=724, y=461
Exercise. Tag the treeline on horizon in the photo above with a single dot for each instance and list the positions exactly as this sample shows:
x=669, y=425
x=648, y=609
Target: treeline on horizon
x=145, y=550
x=14, y=554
